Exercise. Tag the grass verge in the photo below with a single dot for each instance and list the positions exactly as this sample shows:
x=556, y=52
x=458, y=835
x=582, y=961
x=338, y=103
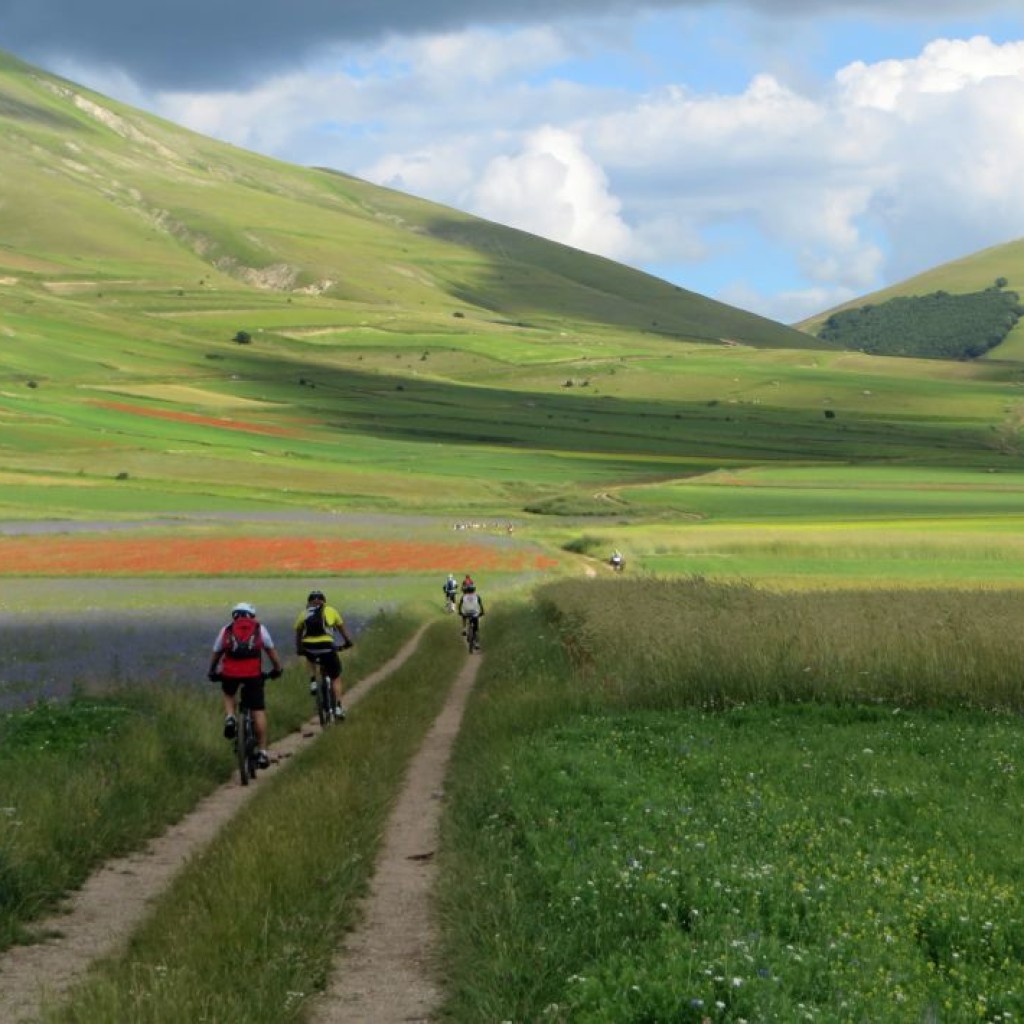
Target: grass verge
x=248, y=931
x=650, y=835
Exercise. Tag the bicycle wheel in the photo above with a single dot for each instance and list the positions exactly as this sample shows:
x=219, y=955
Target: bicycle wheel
x=323, y=707
x=326, y=702
x=241, y=747
x=251, y=759
x=471, y=627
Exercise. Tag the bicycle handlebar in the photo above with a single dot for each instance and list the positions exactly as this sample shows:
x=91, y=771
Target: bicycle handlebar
x=218, y=677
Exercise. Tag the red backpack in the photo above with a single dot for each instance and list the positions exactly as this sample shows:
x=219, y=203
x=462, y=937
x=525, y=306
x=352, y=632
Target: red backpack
x=243, y=647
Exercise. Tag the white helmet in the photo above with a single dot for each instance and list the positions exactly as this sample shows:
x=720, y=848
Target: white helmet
x=243, y=608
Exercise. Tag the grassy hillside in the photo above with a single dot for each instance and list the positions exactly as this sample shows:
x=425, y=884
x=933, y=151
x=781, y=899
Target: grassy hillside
x=400, y=355
x=96, y=191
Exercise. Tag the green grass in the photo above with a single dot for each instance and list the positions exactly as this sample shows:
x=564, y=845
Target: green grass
x=117, y=771
x=405, y=356
x=762, y=807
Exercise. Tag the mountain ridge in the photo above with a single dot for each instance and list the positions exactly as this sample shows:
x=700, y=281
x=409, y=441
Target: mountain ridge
x=143, y=167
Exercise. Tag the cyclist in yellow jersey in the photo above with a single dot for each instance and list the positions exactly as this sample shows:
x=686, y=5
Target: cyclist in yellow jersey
x=319, y=634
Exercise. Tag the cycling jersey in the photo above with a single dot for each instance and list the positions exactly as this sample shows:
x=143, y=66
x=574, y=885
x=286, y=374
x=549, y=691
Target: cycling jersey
x=327, y=640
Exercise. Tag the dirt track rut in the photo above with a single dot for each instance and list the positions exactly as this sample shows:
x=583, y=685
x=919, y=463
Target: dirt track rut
x=385, y=973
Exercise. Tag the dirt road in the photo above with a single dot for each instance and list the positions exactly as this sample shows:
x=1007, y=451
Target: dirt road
x=385, y=972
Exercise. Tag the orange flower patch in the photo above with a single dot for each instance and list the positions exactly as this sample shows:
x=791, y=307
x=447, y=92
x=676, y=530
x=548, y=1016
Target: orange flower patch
x=204, y=421
x=211, y=556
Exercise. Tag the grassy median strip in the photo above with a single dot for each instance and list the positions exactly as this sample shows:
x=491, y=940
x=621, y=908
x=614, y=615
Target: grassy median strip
x=754, y=810
x=249, y=929
x=95, y=777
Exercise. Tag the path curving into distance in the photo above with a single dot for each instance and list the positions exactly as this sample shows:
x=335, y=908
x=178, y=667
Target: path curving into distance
x=384, y=973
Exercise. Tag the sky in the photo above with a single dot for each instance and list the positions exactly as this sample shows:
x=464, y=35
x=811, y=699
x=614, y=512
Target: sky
x=783, y=156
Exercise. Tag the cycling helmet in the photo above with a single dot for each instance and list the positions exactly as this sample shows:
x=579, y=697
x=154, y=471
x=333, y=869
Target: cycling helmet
x=243, y=608
x=316, y=595
x=468, y=588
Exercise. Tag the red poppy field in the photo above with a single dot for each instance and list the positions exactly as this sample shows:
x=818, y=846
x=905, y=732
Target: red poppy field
x=238, y=556
x=204, y=421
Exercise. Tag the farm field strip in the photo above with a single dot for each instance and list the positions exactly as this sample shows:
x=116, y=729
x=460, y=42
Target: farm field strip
x=209, y=556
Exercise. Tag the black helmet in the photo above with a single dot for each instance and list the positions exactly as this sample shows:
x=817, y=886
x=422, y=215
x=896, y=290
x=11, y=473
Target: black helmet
x=316, y=595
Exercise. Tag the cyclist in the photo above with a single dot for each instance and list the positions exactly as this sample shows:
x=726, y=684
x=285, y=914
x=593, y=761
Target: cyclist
x=237, y=663
x=616, y=561
x=451, y=588
x=319, y=634
x=471, y=605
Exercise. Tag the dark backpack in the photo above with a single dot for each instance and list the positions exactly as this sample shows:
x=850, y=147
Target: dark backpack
x=243, y=638
x=314, y=624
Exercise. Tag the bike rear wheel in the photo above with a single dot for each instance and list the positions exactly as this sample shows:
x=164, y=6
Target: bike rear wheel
x=251, y=752
x=241, y=748
x=325, y=702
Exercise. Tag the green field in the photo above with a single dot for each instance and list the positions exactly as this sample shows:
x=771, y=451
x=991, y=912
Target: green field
x=401, y=357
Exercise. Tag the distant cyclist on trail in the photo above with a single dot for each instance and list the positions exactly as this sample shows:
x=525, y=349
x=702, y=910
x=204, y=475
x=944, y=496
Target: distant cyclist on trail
x=319, y=634
x=237, y=664
x=471, y=605
x=451, y=588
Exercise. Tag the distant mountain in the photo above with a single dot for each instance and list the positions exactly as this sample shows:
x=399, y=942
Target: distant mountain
x=96, y=191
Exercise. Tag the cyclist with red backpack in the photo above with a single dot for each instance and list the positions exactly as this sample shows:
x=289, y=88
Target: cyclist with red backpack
x=237, y=663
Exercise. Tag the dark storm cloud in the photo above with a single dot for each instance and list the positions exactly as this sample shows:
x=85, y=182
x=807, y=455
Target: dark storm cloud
x=209, y=43
x=203, y=44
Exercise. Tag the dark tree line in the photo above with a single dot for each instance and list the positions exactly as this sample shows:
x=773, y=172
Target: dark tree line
x=936, y=326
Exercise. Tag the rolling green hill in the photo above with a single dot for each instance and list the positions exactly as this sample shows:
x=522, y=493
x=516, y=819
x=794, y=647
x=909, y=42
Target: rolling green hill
x=185, y=325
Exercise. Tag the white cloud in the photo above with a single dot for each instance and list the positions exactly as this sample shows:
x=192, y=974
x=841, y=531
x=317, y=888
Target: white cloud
x=946, y=66
x=899, y=166
x=553, y=188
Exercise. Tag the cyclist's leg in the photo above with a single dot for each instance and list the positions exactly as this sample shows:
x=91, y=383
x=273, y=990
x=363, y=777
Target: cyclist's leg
x=256, y=700
x=332, y=666
x=229, y=693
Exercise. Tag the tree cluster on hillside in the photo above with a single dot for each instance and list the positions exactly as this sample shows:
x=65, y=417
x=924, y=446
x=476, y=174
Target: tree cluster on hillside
x=936, y=326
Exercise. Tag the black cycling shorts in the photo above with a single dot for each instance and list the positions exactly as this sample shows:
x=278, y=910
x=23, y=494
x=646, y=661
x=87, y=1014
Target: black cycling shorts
x=330, y=660
x=253, y=692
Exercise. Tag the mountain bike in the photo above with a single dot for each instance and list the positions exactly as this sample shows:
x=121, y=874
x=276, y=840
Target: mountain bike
x=321, y=685
x=323, y=693
x=449, y=602
x=473, y=633
x=246, y=750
